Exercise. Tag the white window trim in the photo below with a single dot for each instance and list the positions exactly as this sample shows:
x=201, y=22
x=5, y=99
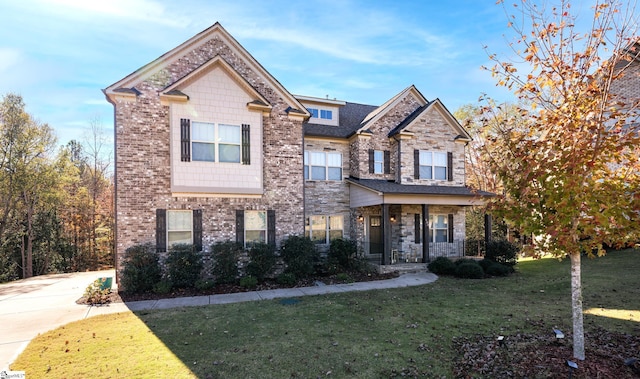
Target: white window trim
x=307, y=164
x=266, y=228
x=433, y=165
x=432, y=230
x=190, y=230
x=216, y=142
x=309, y=232
x=378, y=162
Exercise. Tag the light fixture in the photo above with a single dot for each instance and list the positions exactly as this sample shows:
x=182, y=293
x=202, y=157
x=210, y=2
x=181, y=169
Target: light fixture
x=393, y=218
x=361, y=218
x=572, y=366
x=559, y=334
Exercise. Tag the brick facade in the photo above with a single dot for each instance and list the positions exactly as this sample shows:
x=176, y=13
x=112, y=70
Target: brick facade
x=212, y=79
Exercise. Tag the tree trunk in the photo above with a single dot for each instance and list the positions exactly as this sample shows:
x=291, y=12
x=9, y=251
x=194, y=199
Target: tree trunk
x=576, y=306
x=29, y=238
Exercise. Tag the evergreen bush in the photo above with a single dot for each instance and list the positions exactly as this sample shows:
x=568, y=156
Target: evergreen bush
x=262, y=260
x=141, y=268
x=502, y=251
x=469, y=270
x=225, y=261
x=442, y=266
x=183, y=265
x=299, y=254
x=342, y=254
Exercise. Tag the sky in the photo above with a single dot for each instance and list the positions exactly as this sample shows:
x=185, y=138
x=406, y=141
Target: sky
x=59, y=54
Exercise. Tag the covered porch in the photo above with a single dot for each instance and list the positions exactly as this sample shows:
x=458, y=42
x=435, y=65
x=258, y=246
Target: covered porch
x=409, y=224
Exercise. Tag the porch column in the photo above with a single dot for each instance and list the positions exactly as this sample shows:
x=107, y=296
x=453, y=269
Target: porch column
x=488, y=225
x=386, y=235
x=425, y=233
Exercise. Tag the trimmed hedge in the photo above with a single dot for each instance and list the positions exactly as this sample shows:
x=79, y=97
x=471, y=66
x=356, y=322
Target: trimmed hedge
x=141, y=268
x=300, y=255
x=184, y=265
x=225, y=261
x=469, y=270
x=442, y=266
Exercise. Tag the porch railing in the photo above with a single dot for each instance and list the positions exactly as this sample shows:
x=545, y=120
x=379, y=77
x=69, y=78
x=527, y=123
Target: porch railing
x=455, y=249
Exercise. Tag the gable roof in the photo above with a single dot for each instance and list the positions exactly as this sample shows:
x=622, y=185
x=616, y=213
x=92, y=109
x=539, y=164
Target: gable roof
x=436, y=106
x=127, y=84
x=349, y=118
x=379, y=112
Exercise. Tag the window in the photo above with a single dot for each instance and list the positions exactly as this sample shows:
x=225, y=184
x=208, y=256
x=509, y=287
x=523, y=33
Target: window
x=438, y=228
x=212, y=142
x=321, y=113
x=322, y=229
x=378, y=161
x=319, y=165
x=229, y=143
x=255, y=227
x=178, y=226
x=203, y=146
x=433, y=165
x=327, y=115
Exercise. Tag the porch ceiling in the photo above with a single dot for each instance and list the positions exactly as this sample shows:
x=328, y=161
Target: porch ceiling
x=367, y=192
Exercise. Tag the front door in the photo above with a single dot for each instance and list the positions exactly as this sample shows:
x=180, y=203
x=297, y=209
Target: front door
x=376, y=245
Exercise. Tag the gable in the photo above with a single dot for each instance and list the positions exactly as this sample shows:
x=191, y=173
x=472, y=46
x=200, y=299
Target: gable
x=193, y=56
x=410, y=124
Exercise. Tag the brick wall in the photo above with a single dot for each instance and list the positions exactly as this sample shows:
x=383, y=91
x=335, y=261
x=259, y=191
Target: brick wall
x=143, y=170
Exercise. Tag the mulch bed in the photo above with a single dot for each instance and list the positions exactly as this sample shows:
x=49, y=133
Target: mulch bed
x=542, y=356
x=115, y=297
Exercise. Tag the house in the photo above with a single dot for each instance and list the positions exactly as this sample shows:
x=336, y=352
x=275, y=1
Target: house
x=210, y=147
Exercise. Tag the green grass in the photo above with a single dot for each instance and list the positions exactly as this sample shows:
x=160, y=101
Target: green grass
x=363, y=334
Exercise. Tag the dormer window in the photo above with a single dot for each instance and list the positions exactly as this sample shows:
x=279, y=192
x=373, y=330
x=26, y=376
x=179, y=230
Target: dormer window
x=324, y=114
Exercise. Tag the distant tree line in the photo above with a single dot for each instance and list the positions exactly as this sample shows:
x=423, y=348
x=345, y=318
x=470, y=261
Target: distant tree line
x=56, y=203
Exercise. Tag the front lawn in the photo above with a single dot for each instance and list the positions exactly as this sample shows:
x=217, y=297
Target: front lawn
x=436, y=330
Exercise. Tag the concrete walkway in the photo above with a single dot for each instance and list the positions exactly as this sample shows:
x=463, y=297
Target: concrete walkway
x=33, y=306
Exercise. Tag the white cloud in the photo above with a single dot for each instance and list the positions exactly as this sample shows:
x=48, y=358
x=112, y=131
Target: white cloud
x=8, y=59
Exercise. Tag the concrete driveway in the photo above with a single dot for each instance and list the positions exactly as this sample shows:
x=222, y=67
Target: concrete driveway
x=36, y=305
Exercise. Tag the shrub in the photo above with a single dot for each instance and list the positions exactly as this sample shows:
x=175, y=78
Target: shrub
x=205, y=284
x=342, y=254
x=262, y=259
x=300, y=255
x=498, y=269
x=502, y=251
x=141, y=268
x=225, y=261
x=485, y=263
x=249, y=281
x=465, y=260
x=344, y=277
x=96, y=295
x=469, y=270
x=442, y=266
x=286, y=278
x=184, y=265
x=163, y=287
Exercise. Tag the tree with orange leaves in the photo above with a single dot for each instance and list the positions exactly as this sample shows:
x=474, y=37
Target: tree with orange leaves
x=571, y=169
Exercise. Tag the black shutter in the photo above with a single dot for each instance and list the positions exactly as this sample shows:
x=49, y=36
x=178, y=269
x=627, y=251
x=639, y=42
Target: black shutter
x=161, y=230
x=246, y=146
x=416, y=164
x=371, y=162
x=387, y=162
x=417, y=227
x=240, y=226
x=185, y=140
x=450, y=166
x=450, y=225
x=197, y=229
x=271, y=227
